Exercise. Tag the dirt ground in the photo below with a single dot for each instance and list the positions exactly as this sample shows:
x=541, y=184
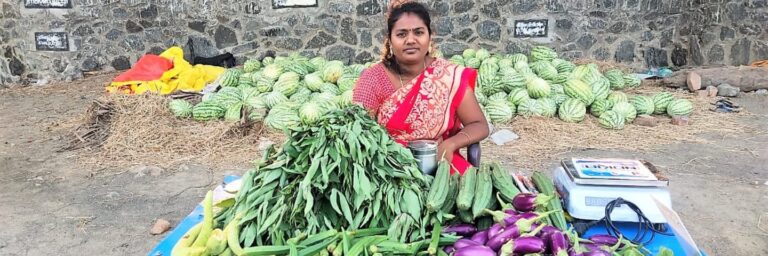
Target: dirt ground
x=51, y=204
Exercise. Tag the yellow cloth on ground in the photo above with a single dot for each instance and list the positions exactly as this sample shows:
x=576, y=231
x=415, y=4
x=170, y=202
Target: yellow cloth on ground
x=182, y=77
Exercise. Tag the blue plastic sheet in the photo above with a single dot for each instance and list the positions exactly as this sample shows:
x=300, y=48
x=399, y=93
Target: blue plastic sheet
x=628, y=229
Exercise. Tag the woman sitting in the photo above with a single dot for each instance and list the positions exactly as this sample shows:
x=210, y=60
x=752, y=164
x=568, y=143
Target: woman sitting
x=416, y=96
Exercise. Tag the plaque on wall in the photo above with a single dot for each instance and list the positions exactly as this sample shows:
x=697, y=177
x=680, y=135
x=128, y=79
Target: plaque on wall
x=293, y=3
x=531, y=28
x=51, y=41
x=39, y=4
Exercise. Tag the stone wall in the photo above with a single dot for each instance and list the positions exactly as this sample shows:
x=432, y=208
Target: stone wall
x=113, y=34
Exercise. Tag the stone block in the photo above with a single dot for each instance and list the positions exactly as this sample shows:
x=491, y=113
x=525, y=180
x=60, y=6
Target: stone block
x=160, y=226
x=693, y=81
x=646, y=120
x=680, y=120
x=726, y=90
x=711, y=91
x=702, y=93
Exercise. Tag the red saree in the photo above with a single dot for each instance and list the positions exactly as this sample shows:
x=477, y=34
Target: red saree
x=424, y=108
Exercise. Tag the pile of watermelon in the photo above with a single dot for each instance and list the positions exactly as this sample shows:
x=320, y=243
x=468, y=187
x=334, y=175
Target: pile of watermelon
x=543, y=84
x=282, y=92
x=285, y=91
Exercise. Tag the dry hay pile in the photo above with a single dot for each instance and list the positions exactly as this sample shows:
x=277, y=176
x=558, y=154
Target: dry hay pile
x=542, y=140
x=140, y=129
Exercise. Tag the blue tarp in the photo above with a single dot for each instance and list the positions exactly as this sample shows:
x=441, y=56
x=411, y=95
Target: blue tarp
x=628, y=229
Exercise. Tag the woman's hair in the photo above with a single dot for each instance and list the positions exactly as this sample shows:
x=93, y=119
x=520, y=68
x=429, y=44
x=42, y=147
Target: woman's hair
x=397, y=11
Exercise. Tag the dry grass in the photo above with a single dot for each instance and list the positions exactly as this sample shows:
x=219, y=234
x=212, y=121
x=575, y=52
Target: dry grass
x=142, y=130
x=544, y=139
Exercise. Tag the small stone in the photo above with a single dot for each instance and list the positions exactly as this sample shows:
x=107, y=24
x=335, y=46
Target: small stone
x=342, y=53
x=679, y=56
x=463, y=6
x=491, y=10
x=160, y=226
x=727, y=90
x=121, y=63
x=363, y=57
x=601, y=53
x=680, y=120
x=443, y=26
x=655, y=57
x=367, y=8
x=626, y=51
x=198, y=25
x=564, y=24
x=586, y=41
x=348, y=34
x=149, y=13
x=702, y=93
x=666, y=38
x=646, y=120
x=693, y=81
x=647, y=36
x=716, y=54
x=711, y=91
x=727, y=33
x=341, y=7
x=740, y=52
x=618, y=27
x=113, y=34
x=289, y=43
x=489, y=30
x=91, y=64
x=83, y=31
x=762, y=92
x=695, y=45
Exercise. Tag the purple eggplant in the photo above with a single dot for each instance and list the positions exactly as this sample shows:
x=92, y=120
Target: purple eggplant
x=511, y=220
x=525, y=225
x=461, y=243
x=499, y=239
x=523, y=245
x=597, y=253
x=528, y=215
x=526, y=202
x=449, y=249
x=475, y=250
x=511, y=212
x=604, y=239
x=461, y=229
x=498, y=216
x=548, y=230
x=480, y=237
x=558, y=243
x=494, y=230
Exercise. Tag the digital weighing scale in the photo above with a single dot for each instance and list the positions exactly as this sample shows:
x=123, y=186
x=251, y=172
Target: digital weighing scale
x=588, y=184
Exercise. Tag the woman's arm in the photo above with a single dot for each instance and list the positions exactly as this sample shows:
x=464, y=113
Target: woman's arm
x=475, y=126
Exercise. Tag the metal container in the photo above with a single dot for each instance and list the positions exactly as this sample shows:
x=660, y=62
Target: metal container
x=425, y=152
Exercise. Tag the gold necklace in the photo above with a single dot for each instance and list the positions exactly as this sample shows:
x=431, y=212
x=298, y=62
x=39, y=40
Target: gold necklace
x=400, y=75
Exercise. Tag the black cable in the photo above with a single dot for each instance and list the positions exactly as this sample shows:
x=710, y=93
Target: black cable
x=644, y=225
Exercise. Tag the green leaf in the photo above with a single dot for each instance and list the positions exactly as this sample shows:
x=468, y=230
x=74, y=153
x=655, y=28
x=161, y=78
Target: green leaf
x=334, y=201
x=344, y=204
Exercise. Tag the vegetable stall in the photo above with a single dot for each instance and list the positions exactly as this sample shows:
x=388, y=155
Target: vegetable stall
x=343, y=187
x=339, y=185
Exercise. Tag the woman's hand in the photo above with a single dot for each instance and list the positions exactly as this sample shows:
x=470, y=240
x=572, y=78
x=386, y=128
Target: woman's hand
x=445, y=149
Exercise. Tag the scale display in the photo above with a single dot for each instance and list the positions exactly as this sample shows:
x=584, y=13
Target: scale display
x=621, y=169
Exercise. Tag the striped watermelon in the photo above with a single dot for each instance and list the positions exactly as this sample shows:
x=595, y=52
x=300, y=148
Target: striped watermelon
x=514, y=81
x=481, y=98
x=208, y=110
x=332, y=71
x=565, y=67
x=579, y=73
x=251, y=65
x=233, y=112
x=530, y=107
x=345, y=99
x=661, y=101
x=318, y=63
x=310, y=112
x=538, y=88
x=256, y=102
x=282, y=118
x=559, y=98
x=267, y=60
x=180, y=108
x=542, y=53
x=612, y=120
x=523, y=68
x=616, y=97
x=246, y=80
x=579, y=90
x=314, y=81
x=557, y=88
x=548, y=107
x=347, y=81
x=246, y=93
x=517, y=96
x=490, y=86
x=458, y=60
x=324, y=97
x=287, y=84
x=626, y=110
x=273, y=98
x=264, y=84
x=518, y=57
x=499, y=96
x=572, y=111
x=330, y=88
x=469, y=54
x=643, y=104
x=631, y=80
x=482, y=54
x=228, y=96
x=679, y=107
x=616, y=77
x=257, y=114
x=506, y=62
x=354, y=69
x=231, y=77
x=488, y=70
x=271, y=72
x=558, y=79
x=302, y=95
x=499, y=111
x=544, y=70
x=601, y=88
x=599, y=107
x=301, y=67
x=473, y=62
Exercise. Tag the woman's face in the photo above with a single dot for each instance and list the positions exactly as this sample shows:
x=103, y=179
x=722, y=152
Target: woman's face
x=410, y=39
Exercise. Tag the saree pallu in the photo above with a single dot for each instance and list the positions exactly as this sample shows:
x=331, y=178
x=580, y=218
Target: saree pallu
x=424, y=108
